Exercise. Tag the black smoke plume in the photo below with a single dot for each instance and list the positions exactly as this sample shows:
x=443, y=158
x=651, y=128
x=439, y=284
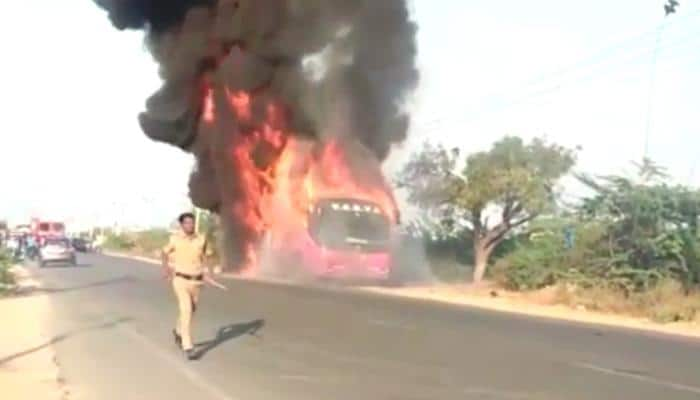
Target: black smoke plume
x=155, y=15
x=339, y=68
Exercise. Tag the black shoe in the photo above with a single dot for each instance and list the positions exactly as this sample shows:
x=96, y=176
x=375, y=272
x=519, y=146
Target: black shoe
x=178, y=338
x=191, y=354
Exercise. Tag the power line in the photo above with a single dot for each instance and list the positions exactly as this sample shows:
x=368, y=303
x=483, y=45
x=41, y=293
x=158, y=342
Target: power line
x=609, y=51
x=593, y=61
x=556, y=87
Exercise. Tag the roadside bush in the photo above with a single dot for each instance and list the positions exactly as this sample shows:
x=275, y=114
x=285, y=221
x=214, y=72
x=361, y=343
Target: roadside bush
x=691, y=252
x=6, y=277
x=119, y=242
x=151, y=241
x=543, y=260
x=533, y=265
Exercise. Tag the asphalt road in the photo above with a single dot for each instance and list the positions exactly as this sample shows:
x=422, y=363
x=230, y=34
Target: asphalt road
x=112, y=320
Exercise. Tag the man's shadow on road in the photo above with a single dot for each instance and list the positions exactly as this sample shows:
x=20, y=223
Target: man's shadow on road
x=226, y=333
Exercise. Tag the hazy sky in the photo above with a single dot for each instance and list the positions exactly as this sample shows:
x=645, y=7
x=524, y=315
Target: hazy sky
x=576, y=71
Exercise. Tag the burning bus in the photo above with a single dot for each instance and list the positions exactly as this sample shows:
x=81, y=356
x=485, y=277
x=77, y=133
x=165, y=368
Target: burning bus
x=345, y=239
x=289, y=108
x=325, y=222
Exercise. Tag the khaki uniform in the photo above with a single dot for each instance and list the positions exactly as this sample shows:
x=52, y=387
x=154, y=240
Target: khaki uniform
x=186, y=256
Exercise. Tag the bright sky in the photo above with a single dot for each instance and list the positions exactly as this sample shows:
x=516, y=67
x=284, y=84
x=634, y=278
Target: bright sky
x=576, y=71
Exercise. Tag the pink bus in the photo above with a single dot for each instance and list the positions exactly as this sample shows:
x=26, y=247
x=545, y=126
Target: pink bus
x=345, y=239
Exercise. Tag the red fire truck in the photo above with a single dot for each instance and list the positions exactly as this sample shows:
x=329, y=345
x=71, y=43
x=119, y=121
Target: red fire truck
x=44, y=229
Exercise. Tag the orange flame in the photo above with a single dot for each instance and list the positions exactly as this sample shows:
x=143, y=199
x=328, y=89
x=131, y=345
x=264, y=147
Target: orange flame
x=208, y=112
x=276, y=195
x=240, y=103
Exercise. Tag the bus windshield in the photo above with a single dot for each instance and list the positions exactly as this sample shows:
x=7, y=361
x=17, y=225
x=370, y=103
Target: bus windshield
x=350, y=225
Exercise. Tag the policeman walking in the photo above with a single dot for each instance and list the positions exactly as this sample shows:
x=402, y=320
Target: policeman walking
x=184, y=262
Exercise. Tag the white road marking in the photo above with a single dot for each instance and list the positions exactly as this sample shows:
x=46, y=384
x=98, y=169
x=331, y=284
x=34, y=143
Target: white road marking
x=384, y=322
x=304, y=378
x=178, y=364
x=391, y=323
x=672, y=385
x=498, y=394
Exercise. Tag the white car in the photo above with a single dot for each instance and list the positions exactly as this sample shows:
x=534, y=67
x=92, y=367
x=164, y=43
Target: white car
x=12, y=244
x=57, y=251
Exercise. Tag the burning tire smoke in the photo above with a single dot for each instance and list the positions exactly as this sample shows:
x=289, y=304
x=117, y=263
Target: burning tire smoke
x=280, y=101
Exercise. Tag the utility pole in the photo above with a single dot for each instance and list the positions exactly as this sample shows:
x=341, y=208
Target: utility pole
x=670, y=8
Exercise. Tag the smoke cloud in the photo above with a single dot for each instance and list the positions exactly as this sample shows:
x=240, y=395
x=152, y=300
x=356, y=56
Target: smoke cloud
x=319, y=69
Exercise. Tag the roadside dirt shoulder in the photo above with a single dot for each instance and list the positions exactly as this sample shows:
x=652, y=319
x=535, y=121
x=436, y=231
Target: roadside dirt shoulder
x=498, y=300
x=28, y=368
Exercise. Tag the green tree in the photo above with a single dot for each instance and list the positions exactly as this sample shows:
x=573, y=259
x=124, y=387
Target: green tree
x=496, y=192
x=652, y=226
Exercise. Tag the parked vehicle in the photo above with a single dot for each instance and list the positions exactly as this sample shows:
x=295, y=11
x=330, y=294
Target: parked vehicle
x=81, y=245
x=43, y=230
x=57, y=250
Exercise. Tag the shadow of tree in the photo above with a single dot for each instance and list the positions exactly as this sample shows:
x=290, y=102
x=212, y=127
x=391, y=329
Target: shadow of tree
x=62, y=337
x=227, y=333
x=34, y=290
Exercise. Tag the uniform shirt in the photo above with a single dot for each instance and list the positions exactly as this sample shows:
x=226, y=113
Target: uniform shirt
x=186, y=252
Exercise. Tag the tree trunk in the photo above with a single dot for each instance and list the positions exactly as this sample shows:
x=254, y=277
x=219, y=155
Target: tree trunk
x=482, y=252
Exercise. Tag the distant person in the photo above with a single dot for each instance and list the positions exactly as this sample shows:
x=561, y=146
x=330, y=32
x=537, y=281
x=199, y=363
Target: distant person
x=13, y=246
x=31, y=247
x=184, y=263
x=21, y=247
x=98, y=243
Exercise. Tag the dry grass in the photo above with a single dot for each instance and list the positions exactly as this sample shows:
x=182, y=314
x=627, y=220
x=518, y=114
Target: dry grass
x=665, y=303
